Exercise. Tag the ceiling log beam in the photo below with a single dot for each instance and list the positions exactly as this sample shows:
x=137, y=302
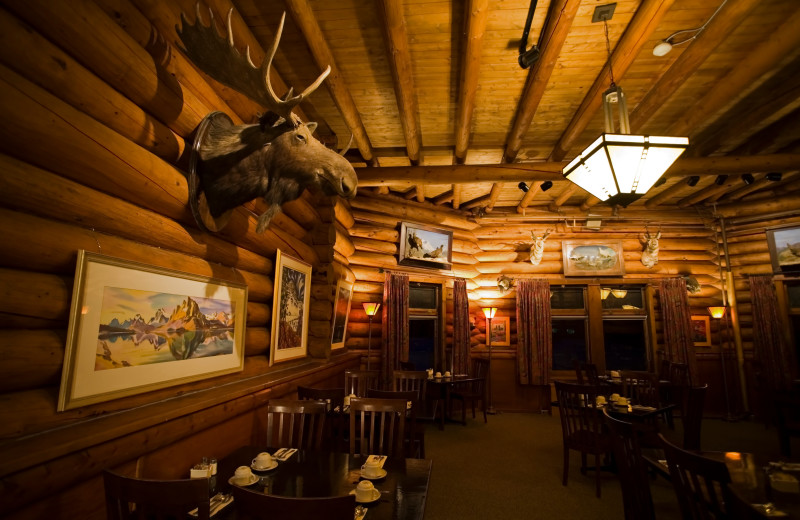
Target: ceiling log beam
x=709, y=192
x=304, y=17
x=638, y=33
x=690, y=60
x=564, y=197
x=533, y=189
x=667, y=193
x=477, y=12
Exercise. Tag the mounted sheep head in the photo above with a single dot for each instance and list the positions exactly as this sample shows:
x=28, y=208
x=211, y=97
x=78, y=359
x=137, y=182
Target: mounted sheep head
x=650, y=253
x=537, y=249
x=275, y=159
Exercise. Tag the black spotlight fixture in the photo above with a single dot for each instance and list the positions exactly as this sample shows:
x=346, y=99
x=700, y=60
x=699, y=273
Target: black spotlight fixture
x=774, y=176
x=720, y=180
x=660, y=182
x=748, y=179
x=523, y=187
x=546, y=185
x=693, y=180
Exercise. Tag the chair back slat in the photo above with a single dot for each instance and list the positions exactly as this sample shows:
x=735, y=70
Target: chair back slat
x=251, y=505
x=637, y=498
x=641, y=387
x=377, y=426
x=294, y=423
x=154, y=499
x=357, y=382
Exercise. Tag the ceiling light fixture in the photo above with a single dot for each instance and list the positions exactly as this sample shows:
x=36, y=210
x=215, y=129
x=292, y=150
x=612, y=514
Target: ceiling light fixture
x=546, y=185
x=664, y=46
x=748, y=178
x=523, y=187
x=619, y=168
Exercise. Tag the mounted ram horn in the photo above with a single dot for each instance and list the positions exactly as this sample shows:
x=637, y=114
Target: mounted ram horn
x=274, y=159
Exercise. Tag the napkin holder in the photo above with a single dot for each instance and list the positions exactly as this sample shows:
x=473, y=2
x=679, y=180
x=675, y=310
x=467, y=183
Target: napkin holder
x=200, y=472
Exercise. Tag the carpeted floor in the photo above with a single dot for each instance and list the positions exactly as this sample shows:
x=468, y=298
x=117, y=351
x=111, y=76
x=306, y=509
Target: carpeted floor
x=510, y=468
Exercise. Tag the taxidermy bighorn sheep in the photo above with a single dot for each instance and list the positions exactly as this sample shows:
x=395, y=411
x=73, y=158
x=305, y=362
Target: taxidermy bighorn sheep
x=537, y=249
x=650, y=253
x=275, y=159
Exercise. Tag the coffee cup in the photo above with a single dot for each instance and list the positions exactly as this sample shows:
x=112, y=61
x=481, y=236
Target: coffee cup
x=262, y=461
x=622, y=401
x=614, y=397
x=438, y=374
x=365, y=491
x=242, y=475
x=447, y=374
x=347, y=399
x=600, y=400
x=371, y=469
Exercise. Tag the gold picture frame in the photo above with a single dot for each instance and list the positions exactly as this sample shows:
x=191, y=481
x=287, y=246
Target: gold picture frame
x=134, y=328
x=593, y=258
x=425, y=246
x=290, y=309
x=341, y=313
x=501, y=332
x=701, y=331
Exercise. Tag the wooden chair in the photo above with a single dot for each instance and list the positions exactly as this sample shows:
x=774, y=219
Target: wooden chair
x=590, y=375
x=637, y=499
x=258, y=506
x=407, y=365
x=333, y=397
x=377, y=426
x=295, y=423
x=641, y=387
x=473, y=391
x=699, y=483
x=335, y=424
x=581, y=425
x=130, y=498
x=694, y=401
x=415, y=431
x=416, y=380
x=359, y=381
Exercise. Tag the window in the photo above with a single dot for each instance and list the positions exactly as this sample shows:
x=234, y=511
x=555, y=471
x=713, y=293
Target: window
x=569, y=342
x=425, y=325
x=793, y=295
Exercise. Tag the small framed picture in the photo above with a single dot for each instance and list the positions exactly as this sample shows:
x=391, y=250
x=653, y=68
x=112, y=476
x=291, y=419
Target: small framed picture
x=290, y=306
x=701, y=331
x=784, y=249
x=341, y=311
x=593, y=258
x=425, y=246
x=501, y=331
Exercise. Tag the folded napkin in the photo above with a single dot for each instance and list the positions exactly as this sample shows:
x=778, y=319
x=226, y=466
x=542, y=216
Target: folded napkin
x=284, y=454
x=381, y=459
x=218, y=502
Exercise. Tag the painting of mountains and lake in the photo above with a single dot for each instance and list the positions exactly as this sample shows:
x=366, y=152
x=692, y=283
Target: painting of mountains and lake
x=142, y=327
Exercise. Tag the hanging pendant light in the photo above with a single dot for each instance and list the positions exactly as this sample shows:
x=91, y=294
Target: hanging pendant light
x=619, y=167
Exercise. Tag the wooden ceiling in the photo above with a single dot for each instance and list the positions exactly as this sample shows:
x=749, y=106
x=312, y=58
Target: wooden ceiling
x=441, y=112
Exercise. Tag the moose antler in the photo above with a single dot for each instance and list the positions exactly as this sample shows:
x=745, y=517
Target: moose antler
x=219, y=58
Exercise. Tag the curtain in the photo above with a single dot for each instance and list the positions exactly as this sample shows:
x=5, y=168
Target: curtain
x=770, y=349
x=394, y=325
x=460, y=354
x=534, y=332
x=677, y=316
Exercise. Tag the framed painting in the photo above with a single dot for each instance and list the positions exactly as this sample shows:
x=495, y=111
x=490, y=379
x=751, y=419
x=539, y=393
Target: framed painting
x=424, y=246
x=701, y=331
x=135, y=328
x=784, y=248
x=290, y=306
x=593, y=258
x=341, y=311
x=501, y=331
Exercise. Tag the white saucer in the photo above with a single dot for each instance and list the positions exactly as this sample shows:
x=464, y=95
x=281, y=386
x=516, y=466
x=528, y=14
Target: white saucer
x=256, y=468
x=253, y=480
x=380, y=475
x=375, y=496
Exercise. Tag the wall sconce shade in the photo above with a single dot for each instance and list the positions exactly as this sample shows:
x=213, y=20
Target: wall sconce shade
x=489, y=312
x=716, y=312
x=604, y=293
x=371, y=308
x=619, y=293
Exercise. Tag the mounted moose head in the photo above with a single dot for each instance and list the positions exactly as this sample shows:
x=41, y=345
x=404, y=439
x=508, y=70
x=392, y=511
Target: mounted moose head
x=232, y=164
x=537, y=249
x=650, y=253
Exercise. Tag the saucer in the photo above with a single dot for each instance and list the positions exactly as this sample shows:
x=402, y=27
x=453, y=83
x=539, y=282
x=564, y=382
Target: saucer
x=253, y=480
x=375, y=496
x=380, y=475
x=256, y=468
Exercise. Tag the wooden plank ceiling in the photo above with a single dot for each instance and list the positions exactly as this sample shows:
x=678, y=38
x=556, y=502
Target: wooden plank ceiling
x=441, y=111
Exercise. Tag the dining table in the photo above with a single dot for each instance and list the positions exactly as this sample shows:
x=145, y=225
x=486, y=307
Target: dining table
x=439, y=390
x=322, y=473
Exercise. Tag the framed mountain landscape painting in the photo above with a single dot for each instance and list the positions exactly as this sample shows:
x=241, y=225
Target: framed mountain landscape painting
x=135, y=328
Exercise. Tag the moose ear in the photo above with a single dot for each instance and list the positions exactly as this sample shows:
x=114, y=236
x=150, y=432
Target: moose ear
x=311, y=127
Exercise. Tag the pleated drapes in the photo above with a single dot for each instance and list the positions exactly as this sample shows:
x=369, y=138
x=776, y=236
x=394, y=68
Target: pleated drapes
x=460, y=354
x=677, y=319
x=394, y=326
x=770, y=349
x=534, y=332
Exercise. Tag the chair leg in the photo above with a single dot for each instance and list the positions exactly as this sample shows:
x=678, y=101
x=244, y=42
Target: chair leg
x=566, y=466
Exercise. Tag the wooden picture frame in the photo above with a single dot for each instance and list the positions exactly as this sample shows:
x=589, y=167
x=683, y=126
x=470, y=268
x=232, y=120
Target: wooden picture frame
x=290, y=309
x=134, y=328
x=701, y=331
x=593, y=258
x=425, y=246
x=501, y=332
x=341, y=313
x=784, y=248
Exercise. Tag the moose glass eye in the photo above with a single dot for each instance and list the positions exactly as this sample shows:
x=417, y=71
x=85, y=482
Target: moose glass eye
x=301, y=138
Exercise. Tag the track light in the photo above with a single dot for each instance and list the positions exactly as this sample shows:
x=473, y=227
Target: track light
x=693, y=180
x=748, y=179
x=523, y=187
x=546, y=185
x=720, y=180
x=774, y=176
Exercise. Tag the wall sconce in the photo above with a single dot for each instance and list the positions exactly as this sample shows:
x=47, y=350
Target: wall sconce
x=716, y=312
x=371, y=308
x=489, y=312
x=748, y=178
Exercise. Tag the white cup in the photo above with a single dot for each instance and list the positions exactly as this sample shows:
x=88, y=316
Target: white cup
x=600, y=400
x=614, y=397
x=263, y=460
x=243, y=475
x=438, y=374
x=622, y=401
x=365, y=491
x=447, y=374
x=371, y=469
x=347, y=399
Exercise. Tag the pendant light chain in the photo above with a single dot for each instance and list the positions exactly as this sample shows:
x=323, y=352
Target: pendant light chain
x=608, y=50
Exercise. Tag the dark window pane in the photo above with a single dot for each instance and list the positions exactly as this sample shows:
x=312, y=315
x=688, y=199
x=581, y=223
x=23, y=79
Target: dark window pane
x=622, y=297
x=422, y=342
x=625, y=344
x=422, y=297
x=569, y=342
x=566, y=298
x=794, y=296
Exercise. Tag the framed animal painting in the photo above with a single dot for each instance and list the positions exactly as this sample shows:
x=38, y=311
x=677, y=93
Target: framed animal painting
x=425, y=246
x=290, y=309
x=784, y=248
x=593, y=258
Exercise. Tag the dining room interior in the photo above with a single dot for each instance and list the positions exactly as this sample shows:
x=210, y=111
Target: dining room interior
x=527, y=258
